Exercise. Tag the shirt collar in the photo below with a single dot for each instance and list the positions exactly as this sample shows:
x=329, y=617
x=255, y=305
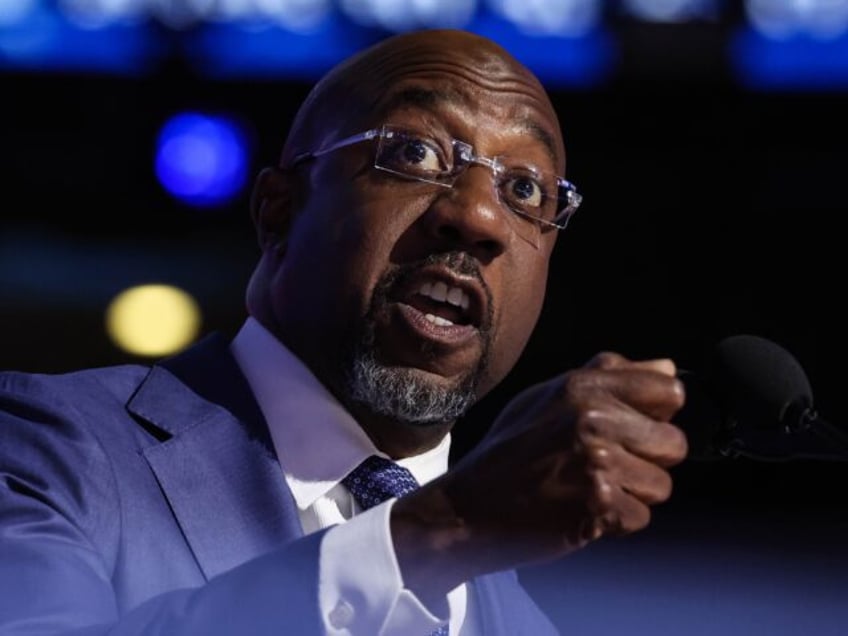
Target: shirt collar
x=316, y=440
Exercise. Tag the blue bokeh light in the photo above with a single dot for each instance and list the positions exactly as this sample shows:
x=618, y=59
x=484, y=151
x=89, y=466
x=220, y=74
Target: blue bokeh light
x=796, y=63
x=202, y=159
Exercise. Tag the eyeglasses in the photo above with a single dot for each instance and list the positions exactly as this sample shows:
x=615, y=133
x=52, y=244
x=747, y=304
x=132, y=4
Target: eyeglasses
x=538, y=197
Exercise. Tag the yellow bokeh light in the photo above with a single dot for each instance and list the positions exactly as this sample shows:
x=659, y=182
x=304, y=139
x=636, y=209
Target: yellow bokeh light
x=152, y=320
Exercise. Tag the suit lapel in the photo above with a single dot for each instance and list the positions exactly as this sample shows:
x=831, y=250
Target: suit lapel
x=215, y=464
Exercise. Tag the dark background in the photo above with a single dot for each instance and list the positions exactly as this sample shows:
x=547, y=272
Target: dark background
x=710, y=210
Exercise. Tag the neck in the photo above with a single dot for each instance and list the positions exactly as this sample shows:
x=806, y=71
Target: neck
x=399, y=439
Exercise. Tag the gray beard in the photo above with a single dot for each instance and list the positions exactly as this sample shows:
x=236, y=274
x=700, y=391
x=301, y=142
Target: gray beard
x=402, y=395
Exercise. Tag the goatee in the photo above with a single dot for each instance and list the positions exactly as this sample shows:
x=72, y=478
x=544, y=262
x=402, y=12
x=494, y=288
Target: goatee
x=405, y=394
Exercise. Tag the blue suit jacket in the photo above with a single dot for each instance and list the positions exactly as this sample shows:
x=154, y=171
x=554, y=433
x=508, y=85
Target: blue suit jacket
x=138, y=500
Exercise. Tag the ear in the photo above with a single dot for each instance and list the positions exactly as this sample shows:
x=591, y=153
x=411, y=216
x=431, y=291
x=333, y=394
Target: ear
x=272, y=207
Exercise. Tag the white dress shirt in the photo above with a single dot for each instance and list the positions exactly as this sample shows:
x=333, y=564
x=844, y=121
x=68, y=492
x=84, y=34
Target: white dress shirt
x=317, y=444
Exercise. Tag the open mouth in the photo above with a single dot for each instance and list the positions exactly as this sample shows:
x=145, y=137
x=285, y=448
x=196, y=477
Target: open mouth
x=444, y=299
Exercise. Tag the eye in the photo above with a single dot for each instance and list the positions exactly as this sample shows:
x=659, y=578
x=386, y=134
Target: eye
x=524, y=191
x=413, y=154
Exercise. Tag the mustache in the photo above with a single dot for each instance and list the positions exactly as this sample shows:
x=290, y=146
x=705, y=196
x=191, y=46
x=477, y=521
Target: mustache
x=459, y=262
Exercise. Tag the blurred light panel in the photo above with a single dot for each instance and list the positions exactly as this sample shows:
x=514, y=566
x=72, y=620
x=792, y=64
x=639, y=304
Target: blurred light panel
x=567, y=18
x=564, y=41
x=580, y=61
x=779, y=19
x=202, y=159
x=15, y=11
x=295, y=15
x=226, y=52
x=793, y=45
x=97, y=14
x=153, y=320
x=671, y=10
x=413, y=14
x=34, y=37
x=264, y=49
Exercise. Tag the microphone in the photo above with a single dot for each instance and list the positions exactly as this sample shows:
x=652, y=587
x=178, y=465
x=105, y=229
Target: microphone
x=755, y=401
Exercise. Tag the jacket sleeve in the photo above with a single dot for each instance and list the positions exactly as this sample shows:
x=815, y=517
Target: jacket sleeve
x=59, y=539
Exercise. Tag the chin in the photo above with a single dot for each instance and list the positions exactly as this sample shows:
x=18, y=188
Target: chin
x=410, y=395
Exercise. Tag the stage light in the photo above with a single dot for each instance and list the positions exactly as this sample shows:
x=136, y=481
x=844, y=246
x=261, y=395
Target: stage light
x=799, y=62
x=569, y=18
x=15, y=11
x=779, y=19
x=793, y=45
x=403, y=16
x=671, y=10
x=202, y=159
x=179, y=15
x=301, y=16
x=96, y=14
x=153, y=320
x=292, y=39
x=46, y=39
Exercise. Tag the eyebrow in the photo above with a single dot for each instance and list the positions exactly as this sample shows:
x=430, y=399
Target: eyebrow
x=430, y=98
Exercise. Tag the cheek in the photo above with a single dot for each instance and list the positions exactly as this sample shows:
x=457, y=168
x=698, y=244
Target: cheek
x=365, y=235
x=343, y=250
x=521, y=305
x=316, y=280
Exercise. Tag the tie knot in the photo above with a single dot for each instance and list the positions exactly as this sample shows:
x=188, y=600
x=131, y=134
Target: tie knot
x=377, y=479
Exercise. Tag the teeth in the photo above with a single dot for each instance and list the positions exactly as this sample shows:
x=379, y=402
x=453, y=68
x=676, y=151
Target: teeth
x=438, y=320
x=440, y=292
x=455, y=296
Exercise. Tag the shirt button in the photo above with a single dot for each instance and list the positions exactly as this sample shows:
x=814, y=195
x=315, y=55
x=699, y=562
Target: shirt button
x=341, y=615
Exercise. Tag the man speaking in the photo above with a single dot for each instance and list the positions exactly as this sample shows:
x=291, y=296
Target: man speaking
x=295, y=480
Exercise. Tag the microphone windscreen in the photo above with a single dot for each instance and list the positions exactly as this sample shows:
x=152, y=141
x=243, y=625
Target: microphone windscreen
x=756, y=380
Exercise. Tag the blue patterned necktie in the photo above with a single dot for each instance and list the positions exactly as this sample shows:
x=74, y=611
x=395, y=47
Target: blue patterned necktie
x=377, y=479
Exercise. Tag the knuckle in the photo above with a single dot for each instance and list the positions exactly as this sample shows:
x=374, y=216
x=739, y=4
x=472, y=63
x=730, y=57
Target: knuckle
x=606, y=360
x=601, y=500
x=576, y=381
x=598, y=456
x=591, y=423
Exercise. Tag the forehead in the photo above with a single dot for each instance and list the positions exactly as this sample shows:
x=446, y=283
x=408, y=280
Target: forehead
x=489, y=98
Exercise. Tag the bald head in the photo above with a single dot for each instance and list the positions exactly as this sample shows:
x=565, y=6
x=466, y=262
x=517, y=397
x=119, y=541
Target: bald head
x=366, y=84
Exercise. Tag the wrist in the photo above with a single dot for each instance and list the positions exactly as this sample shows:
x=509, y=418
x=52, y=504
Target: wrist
x=430, y=540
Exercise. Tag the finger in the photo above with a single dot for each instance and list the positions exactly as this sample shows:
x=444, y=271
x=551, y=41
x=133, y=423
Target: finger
x=612, y=360
x=664, y=366
x=658, y=442
x=656, y=394
x=613, y=424
x=630, y=515
x=617, y=468
x=613, y=512
x=648, y=482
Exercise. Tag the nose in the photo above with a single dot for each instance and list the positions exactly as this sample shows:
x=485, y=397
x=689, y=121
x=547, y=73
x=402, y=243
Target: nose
x=470, y=215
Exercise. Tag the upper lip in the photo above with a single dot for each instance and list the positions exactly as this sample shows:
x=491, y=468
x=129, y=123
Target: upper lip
x=478, y=298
